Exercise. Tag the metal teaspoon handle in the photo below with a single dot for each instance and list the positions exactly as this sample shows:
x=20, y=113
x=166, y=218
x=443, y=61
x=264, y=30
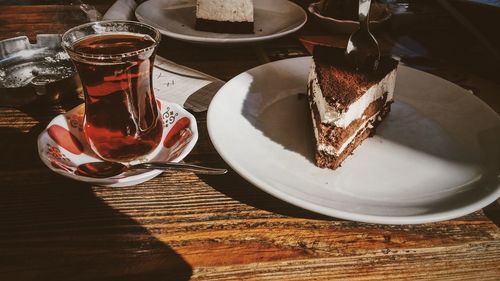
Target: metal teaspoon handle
x=181, y=167
x=364, y=13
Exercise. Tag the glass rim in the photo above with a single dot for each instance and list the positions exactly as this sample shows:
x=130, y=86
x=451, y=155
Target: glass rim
x=69, y=46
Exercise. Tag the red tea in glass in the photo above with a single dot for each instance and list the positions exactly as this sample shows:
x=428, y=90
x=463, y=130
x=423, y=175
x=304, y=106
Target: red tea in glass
x=115, y=62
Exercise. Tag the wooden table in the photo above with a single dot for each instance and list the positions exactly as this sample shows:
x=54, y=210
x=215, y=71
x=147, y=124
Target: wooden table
x=180, y=226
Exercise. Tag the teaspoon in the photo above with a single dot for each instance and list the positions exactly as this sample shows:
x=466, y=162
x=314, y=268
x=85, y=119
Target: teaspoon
x=362, y=48
x=110, y=169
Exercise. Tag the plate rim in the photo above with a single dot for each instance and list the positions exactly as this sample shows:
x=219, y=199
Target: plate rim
x=222, y=41
x=332, y=212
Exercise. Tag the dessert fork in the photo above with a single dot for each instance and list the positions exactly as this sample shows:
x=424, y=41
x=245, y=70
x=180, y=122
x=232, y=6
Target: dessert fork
x=362, y=48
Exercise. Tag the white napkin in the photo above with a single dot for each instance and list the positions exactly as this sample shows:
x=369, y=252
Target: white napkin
x=121, y=10
x=182, y=85
x=172, y=82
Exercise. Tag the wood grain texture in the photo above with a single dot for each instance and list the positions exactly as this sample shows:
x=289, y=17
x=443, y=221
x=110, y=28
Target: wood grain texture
x=180, y=226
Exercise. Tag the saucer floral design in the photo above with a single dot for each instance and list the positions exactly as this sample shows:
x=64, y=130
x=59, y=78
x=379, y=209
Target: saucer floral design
x=62, y=145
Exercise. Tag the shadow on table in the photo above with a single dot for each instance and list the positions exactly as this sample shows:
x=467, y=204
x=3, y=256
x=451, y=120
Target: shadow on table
x=492, y=211
x=237, y=188
x=52, y=228
x=19, y=148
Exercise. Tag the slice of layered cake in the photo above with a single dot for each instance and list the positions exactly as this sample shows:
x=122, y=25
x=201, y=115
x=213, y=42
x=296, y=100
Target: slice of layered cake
x=346, y=105
x=224, y=16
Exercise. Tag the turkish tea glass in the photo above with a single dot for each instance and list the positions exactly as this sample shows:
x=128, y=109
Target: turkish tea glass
x=114, y=60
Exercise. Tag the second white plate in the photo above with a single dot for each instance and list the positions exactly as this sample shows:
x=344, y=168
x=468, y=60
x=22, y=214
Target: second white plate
x=176, y=18
x=435, y=157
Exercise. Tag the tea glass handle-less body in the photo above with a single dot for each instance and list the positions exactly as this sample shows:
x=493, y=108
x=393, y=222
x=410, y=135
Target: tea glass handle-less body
x=114, y=60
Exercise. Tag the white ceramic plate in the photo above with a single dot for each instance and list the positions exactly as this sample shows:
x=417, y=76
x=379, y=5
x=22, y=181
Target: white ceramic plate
x=436, y=156
x=62, y=145
x=176, y=18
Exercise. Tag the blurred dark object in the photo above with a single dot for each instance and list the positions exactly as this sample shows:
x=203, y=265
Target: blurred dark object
x=456, y=31
x=340, y=9
x=341, y=16
x=487, y=3
x=348, y=9
x=477, y=19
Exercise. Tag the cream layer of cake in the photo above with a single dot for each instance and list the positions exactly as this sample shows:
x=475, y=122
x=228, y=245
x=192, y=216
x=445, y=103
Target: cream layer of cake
x=346, y=104
x=330, y=115
x=225, y=16
x=225, y=10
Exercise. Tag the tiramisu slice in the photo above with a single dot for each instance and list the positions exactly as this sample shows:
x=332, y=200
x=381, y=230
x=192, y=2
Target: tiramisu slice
x=346, y=105
x=224, y=16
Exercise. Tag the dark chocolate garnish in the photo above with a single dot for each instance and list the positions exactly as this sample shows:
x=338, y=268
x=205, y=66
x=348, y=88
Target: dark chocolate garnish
x=224, y=26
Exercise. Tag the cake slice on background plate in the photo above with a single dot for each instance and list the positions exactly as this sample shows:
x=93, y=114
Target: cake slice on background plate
x=225, y=16
x=346, y=105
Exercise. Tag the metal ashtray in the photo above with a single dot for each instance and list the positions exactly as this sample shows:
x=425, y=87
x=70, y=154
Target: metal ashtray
x=36, y=72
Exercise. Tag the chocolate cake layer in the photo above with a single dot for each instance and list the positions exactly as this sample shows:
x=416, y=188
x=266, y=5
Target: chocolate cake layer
x=340, y=84
x=325, y=160
x=336, y=136
x=224, y=26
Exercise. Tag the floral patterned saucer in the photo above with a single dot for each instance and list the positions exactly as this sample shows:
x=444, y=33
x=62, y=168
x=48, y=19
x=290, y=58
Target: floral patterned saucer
x=62, y=145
